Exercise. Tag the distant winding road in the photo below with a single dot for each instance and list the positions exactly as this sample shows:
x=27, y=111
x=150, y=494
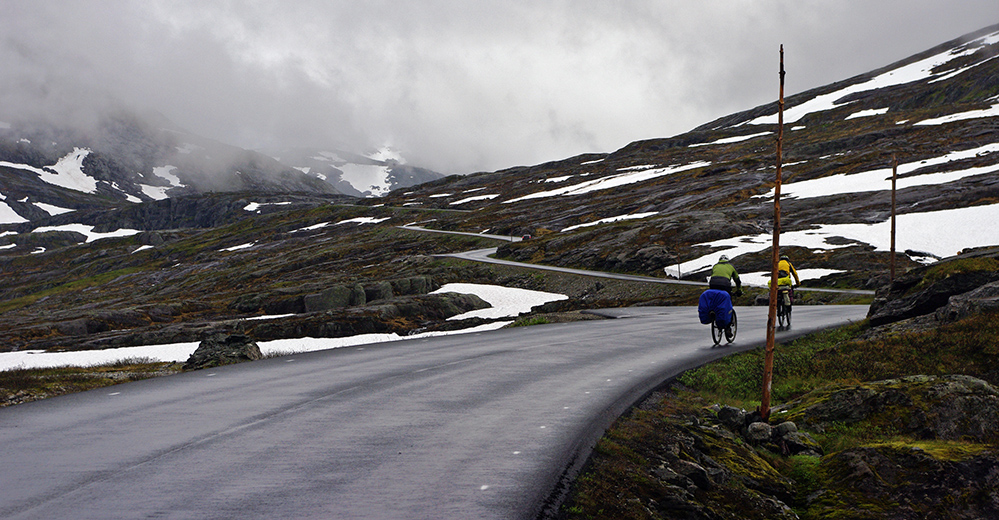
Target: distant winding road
x=485, y=255
x=491, y=425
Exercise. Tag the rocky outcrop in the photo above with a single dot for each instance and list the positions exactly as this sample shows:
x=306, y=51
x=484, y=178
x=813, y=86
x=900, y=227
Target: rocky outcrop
x=157, y=324
x=983, y=299
x=336, y=297
x=924, y=290
x=340, y=296
x=398, y=315
x=699, y=467
x=907, y=482
x=954, y=407
x=783, y=438
x=222, y=349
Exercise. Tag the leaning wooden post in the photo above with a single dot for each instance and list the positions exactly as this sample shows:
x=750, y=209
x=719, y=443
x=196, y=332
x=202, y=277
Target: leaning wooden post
x=894, y=177
x=768, y=361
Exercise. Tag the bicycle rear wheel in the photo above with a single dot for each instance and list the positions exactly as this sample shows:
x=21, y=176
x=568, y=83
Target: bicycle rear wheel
x=732, y=328
x=716, y=333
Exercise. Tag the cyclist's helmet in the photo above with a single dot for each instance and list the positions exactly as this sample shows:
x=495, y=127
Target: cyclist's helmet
x=784, y=257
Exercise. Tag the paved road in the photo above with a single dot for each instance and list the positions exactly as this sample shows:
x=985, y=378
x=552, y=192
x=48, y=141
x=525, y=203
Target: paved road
x=484, y=255
x=505, y=238
x=484, y=426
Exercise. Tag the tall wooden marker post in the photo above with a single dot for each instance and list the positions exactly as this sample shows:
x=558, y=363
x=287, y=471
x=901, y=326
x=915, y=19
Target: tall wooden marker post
x=894, y=177
x=768, y=360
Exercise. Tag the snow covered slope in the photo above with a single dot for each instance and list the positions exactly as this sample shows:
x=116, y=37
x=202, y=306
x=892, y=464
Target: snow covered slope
x=372, y=175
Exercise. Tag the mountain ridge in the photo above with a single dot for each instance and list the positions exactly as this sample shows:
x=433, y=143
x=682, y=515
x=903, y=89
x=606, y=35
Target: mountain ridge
x=136, y=158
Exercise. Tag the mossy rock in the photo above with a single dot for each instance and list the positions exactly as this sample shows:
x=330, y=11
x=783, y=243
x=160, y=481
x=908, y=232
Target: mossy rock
x=951, y=407
x=906, y=482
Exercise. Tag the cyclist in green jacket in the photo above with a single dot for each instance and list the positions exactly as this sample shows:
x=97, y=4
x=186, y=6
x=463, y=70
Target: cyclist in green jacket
x=722, y=276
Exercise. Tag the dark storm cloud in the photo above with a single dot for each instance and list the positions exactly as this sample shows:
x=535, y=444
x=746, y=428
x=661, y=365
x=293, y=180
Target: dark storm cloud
x=455, y=85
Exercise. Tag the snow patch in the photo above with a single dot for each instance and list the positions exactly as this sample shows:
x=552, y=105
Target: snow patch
x=387, y=154
x=992, y=111
x=505, y=301
x=239, y=247
x=312, y=227
x=50, y=209
x=9, y=216
x=166, y=172
x=155, y=192
x=612, y=181
x=254, y=207
x=475, y=198
x=729, y=140
x=941, y=233
x=868, y=113
x=159, y=192
x=367, y=177
x=608, y=220
x=88, y=231
x=69, y=172
x=363, y=220
x=880, y=179
x=761, y=279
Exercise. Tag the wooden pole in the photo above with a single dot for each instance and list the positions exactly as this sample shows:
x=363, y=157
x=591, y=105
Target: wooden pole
x=768, y=361
x=894, y=177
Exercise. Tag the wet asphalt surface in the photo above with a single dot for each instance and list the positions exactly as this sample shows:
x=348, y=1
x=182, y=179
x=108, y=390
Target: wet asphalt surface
x=490, y=425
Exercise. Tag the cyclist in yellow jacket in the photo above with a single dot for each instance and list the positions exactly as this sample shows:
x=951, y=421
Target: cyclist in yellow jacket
x=784, y=273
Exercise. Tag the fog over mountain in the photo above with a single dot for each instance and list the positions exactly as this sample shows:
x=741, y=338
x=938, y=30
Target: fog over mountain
x=453, y=86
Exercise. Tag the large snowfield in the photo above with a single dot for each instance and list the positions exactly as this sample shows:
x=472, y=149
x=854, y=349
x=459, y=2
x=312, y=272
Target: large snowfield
x=941, y=233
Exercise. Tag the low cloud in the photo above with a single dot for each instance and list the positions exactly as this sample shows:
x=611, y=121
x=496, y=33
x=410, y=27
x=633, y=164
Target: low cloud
x=456, y=86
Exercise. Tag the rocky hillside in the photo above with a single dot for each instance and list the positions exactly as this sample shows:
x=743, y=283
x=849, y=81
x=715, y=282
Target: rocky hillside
x=682, y=200
x=88, y=258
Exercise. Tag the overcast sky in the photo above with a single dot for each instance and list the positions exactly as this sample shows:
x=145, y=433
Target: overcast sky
x=454, y=85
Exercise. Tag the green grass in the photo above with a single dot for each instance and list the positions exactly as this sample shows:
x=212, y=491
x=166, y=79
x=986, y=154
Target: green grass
x=531, y=320
x=965, y=265
x=30, y=384
x=76, y=285
x=741, y=376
